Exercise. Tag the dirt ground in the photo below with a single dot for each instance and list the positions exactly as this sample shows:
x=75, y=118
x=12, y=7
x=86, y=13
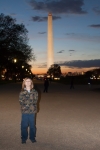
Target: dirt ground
x=67, y=119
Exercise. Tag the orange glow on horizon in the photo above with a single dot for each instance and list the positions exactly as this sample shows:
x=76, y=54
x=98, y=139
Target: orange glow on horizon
x=63, y=70
x=39, y=70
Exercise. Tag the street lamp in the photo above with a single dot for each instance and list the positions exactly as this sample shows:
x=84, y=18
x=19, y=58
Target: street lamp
x=15, y=60
x=22, y=66
x=15, y=71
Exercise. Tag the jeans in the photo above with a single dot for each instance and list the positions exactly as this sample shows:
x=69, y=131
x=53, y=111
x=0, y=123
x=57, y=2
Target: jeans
x=45, y=89
x=28, y=120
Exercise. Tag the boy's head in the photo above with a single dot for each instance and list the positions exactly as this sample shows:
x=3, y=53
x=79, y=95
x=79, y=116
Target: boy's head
x=27, y=82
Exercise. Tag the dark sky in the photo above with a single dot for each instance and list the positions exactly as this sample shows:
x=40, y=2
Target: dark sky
x=76, y=30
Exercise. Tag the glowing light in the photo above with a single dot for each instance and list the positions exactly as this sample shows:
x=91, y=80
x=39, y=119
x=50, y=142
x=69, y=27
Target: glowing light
x=22, y=66
x=15, y=60
x=56, y=78
x=48, y=76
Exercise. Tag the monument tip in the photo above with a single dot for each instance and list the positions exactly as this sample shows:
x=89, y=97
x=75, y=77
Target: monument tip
x=50, y=14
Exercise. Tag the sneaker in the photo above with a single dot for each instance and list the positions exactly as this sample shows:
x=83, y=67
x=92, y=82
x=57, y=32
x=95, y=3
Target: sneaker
x=23, y=142
x=33, y=141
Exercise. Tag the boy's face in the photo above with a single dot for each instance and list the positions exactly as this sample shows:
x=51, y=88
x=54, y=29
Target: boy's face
x=28, y=83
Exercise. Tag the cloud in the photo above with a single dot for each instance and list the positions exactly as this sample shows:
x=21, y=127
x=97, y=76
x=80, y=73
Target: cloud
x=81, y=63
x=12, y=14
x=56, y=17
x=71, y=50
x=61, y=51
x=5, y=8
x=83, y=37
x=43, y=65
x=41, y=32
x=70, y=34
x=75, y=64
x=95, y=25
x=96, y=10
x=59, y=6
x=41, y=19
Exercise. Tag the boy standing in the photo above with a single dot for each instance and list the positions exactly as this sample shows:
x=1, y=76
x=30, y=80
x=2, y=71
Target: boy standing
x=28, y=100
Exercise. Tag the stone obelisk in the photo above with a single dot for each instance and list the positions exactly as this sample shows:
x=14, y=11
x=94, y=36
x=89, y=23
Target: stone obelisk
x=50, y=57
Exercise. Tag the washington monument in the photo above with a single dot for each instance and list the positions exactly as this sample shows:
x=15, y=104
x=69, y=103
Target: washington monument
x=50, y=57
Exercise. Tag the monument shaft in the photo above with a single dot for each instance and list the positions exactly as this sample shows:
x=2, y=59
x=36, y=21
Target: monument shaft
x=50, y=57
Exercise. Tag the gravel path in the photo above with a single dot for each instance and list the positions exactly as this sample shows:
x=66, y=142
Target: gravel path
x=66, y=119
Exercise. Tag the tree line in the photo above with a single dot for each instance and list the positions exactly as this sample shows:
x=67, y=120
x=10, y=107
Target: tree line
x=15, y=53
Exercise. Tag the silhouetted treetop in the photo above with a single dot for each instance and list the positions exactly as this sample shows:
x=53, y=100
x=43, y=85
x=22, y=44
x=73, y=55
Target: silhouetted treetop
x=13, y=41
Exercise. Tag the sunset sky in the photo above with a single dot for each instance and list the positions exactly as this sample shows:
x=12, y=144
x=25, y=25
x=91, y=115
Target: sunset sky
x=76, y=31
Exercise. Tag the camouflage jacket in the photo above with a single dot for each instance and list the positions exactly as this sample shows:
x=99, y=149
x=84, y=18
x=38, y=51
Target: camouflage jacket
x=28, y=101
